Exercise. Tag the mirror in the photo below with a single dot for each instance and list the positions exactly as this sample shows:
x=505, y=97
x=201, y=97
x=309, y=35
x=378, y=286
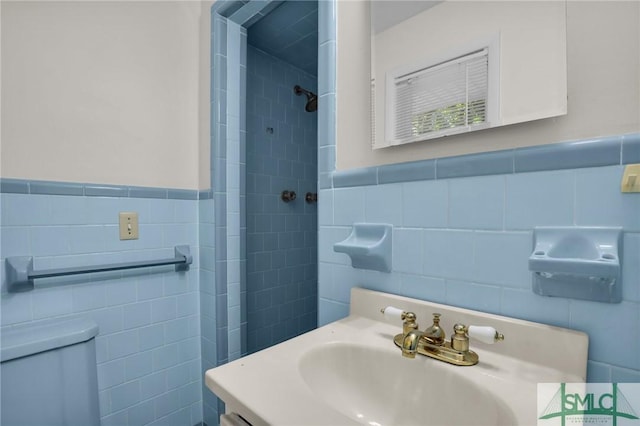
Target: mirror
x=418, y=46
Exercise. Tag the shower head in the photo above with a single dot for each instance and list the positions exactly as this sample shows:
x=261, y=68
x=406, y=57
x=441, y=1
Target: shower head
x=312, y=99
x=312, y=104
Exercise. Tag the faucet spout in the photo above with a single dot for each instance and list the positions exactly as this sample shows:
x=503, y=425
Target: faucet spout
x=410, y=343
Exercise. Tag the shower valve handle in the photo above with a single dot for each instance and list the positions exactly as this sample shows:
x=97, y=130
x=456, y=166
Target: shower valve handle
x=311, y=197
x=287, y=196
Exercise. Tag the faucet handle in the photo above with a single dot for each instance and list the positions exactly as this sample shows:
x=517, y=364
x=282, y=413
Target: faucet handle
x=391, y=312
x=484, y=334
x=408, y=318
x=460, y=338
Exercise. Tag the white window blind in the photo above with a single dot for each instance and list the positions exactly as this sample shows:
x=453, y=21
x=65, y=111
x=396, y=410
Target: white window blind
x=447, y=98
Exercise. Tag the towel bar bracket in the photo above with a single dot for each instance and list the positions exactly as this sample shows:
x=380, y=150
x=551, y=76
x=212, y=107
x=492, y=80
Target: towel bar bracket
x=21, y=276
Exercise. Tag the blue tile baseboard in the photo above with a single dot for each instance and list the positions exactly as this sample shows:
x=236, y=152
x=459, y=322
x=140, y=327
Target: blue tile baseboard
x=597, y=152
x=356, y=177
x=485, y=163
x=631, y=148
x=569, y=155
x=36, y=187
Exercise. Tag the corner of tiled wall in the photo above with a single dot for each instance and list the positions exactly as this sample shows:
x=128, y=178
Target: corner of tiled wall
x=328, y=308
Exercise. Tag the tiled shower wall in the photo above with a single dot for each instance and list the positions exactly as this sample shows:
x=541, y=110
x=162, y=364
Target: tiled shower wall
x=281, y=237
x=148, y=346
x=228, y=143
x=465, y=241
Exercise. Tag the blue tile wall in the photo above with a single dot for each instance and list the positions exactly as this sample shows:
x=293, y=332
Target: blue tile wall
x=213, y=221
x=465, y=241
x=281, y=237
x=148, y=346
x=631, y=148
x=236, y=101
x=290, y=33
x=328, y=307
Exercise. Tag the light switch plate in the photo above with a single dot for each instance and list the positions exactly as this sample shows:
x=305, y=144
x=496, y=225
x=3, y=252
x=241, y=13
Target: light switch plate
x=631, y=178
x=128, y=225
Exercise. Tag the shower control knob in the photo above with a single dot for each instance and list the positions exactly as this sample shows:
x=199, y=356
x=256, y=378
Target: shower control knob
x=287, y=196
x=311, y=197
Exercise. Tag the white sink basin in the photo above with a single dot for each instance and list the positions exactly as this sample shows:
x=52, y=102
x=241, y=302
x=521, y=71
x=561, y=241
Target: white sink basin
x=376, y=387
x=351, y=373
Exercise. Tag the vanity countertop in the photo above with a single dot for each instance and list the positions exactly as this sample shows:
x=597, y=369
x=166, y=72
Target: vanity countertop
x=269, y=387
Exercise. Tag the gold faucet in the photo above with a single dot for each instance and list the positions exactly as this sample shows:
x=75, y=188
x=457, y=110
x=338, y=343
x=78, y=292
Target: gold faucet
x=432, y=343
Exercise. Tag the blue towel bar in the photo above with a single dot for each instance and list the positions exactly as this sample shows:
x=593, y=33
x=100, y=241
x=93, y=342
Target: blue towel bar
x=20, y=273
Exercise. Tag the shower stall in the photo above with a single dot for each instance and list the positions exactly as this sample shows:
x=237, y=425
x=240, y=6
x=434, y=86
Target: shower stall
x=281, y=168
x=258, y=240
x=263, y=154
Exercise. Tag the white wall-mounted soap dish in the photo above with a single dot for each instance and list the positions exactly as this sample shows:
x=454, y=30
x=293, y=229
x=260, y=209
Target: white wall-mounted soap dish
x=578, y=263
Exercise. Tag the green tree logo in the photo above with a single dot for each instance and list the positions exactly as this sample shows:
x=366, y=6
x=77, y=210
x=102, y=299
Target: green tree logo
x=588, y=404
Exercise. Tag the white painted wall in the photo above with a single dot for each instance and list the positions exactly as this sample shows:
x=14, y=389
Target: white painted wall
x=204, y=92
x=103, y=92
x=603, y=60
x=353, y=89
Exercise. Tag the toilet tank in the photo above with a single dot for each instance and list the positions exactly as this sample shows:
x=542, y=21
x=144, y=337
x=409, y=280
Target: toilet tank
x=49, y=374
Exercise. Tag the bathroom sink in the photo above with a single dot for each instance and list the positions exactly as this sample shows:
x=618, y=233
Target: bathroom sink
x=350, y=372
x=363, y=383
